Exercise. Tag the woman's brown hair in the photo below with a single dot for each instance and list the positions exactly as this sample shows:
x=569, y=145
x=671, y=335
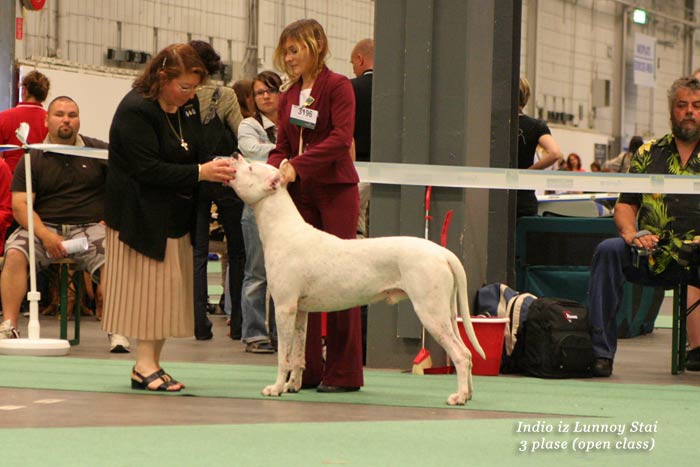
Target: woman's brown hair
x=244, y=93
x=269, y=78
x=169, y=63
x=273, y=82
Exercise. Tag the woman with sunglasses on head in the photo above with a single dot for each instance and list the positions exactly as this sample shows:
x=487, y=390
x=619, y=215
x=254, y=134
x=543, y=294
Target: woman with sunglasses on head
x=256, y=138
x=220, y=115
x=152, y=181
x=315, y=129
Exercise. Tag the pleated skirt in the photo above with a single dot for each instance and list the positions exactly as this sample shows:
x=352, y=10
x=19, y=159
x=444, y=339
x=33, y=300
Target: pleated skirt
x=145, y=298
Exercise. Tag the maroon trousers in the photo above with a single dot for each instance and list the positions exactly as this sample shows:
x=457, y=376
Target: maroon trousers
x=333, y=208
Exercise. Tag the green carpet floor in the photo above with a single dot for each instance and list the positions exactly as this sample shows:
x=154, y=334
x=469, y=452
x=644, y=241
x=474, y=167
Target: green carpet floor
x=672, y=411
x=473, y=443
x=388, y=388
x=663, y=322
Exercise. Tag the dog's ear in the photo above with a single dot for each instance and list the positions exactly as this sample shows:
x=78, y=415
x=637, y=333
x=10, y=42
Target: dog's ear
x=274, y=181
x=284, y=163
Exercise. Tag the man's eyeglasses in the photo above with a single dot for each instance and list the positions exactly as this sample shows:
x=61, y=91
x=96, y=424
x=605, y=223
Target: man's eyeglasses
x=262, y=92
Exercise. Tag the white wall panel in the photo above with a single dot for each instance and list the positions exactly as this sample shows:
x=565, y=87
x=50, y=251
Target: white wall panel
x=524, y=38
x=147, y=12
x=176, y=19
x=97, y=95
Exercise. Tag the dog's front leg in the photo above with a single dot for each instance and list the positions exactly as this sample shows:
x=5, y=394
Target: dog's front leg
x=285, y=318
x=298, y=357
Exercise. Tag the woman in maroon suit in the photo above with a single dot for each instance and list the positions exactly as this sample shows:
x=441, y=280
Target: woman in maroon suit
x=315, y=128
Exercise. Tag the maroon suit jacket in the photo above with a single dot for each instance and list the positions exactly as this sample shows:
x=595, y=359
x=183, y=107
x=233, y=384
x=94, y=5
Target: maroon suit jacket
x=326, y=154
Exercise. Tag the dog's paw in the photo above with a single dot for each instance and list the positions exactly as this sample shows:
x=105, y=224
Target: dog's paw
x=292, y=388
x=273, y=390
x=457, y=399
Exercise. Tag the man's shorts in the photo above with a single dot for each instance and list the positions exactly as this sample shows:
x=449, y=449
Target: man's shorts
x=90, y=260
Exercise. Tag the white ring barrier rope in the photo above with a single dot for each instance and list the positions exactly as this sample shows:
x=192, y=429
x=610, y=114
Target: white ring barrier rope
x=82, y=151
x=521, y=179
x=478, y=177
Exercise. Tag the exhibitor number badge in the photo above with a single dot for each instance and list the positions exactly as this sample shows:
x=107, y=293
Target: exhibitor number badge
x=303, y=116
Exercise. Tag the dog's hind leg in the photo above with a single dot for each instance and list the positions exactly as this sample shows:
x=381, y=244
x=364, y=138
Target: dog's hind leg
x=462, y=360
x=285, y=317
x=435, y=318
x=470, y=384
x=298, y=356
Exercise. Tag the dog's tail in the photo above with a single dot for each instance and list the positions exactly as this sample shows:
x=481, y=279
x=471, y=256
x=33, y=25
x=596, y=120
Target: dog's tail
x=463, y=303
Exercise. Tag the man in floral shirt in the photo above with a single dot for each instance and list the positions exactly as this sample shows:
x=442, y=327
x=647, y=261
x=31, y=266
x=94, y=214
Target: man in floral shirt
x=655, y=222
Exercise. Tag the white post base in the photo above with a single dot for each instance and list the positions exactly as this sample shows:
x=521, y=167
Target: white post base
x=34, y=347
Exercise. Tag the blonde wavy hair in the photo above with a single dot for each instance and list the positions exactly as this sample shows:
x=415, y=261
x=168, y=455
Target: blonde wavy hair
x=308, y=33
x=524, y=92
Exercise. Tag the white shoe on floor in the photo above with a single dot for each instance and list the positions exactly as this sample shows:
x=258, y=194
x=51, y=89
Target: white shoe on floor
x=118, y=343
x=7, y=331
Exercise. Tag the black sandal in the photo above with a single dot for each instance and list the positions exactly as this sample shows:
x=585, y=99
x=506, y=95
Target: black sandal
x=167, y=378
x=146, y=380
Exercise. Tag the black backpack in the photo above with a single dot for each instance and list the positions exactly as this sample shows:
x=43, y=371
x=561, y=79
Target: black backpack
x=555, y=341
x=218, y=139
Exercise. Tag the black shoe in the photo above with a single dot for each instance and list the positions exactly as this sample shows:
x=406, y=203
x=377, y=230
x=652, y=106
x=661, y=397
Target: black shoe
x=692, y=360
x=235, y=330
x=602, y=367
x=333, y=389
x=203, y=332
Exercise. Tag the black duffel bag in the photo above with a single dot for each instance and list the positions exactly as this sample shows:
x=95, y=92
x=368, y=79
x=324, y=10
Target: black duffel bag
x=555, y=340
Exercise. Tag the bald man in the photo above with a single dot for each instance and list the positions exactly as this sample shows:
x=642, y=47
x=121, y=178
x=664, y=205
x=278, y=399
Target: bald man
x=362, y=59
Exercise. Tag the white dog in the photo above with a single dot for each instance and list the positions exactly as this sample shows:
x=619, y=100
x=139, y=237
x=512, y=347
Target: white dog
x=308, y=271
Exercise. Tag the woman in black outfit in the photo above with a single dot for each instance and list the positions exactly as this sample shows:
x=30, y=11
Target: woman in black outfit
x=151, y=190
x=532, y=132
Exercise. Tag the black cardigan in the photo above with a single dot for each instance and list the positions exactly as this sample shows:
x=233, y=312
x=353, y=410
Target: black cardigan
x=151, y=180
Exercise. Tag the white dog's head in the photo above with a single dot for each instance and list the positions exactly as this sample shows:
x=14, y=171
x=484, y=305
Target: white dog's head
x=254, y=180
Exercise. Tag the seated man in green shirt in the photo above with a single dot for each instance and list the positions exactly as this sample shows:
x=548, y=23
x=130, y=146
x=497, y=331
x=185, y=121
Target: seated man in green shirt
x=654, y=223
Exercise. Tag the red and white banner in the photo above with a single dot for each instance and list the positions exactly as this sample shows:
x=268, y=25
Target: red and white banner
x=19, y=28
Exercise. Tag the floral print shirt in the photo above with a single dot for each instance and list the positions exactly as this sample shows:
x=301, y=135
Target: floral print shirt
x=673, y=217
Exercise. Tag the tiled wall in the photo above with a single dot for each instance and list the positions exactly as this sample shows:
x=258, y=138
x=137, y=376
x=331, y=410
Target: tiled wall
x=87, y=28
